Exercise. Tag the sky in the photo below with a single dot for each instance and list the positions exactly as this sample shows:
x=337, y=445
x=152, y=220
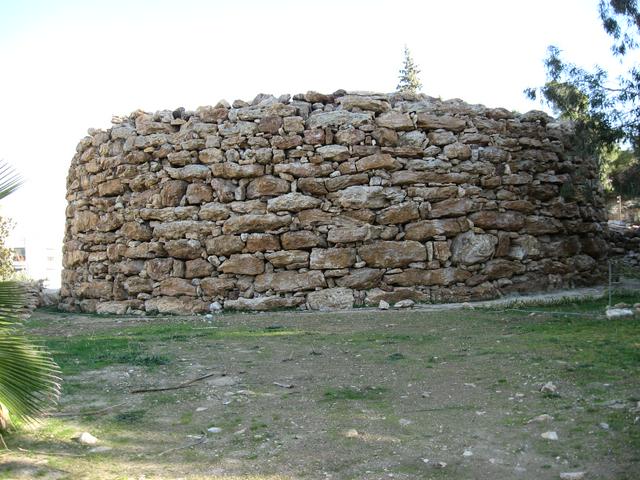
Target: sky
x=70, y=65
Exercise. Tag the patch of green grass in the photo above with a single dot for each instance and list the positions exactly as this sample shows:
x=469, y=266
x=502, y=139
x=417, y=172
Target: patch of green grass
x=186, y=418
x=94, y=352
x=57, y=429
x=593, y=348
x=394, y=357
x=386, y=338
x=353, y=393
x=132, y=416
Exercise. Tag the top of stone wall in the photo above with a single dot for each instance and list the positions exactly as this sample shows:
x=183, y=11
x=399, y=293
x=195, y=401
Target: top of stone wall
x=339, y=109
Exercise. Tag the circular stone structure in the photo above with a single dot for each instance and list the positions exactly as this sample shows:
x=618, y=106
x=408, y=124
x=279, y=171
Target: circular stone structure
x=327, y=201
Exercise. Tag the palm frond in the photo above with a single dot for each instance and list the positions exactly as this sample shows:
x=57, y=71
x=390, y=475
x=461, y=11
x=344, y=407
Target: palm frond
x=29, y=378
x=10, y=180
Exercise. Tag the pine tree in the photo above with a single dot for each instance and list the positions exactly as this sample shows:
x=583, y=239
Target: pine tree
x=409, y=81
x=605, y=111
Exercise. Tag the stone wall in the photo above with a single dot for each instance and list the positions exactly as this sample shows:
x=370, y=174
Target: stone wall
x=326, y=201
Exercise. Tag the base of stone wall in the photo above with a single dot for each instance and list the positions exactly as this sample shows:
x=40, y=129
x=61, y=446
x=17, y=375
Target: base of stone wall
x=338, y=298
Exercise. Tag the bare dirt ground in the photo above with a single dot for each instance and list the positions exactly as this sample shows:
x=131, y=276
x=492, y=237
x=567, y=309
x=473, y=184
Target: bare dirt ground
x=358, y=395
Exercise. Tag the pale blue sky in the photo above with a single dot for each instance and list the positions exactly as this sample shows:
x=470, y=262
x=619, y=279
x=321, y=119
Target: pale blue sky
x=70, y=65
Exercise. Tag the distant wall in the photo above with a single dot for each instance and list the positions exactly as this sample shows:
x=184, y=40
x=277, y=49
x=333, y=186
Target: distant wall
x=327, y=201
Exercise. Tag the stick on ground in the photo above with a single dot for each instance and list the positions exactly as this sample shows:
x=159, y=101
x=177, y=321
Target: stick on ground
x=90, y=412
x=179, y=386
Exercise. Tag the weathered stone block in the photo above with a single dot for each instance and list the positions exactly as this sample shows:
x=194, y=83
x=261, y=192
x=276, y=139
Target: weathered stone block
x=262, y=242
x=426, y=229
x=173, y=287
x=183, y=249
x=263, y=303
x=401, y=213
x=197, y=268
x=454, y=207
x=331, y=299
x=217, y=286
x=395, y=120
x=389, y=254
x=243, y=264
x=326, y=258
x=289, y=281
x=491, y=219
x=267, y=185
x=255, y=223
x=429, y=121
x=415, y=276
x=300, y=239
x=175, y=305
x=292, y=202
x=343, y=181
x=288, y=259
x=361, y=279
x=382, y=161
x=469, y=248
x=367, y=197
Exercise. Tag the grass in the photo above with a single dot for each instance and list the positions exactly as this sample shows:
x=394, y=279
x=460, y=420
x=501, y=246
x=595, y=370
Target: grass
x=462, y=379
x=353, y=393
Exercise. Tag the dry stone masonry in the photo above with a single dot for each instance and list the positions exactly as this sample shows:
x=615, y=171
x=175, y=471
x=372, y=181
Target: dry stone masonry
x=327, y=201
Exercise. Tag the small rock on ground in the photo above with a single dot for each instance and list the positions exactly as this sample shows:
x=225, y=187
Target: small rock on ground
x=549, y=387
x=619, y=312
x=407, y=303
x=541, y=418
x=572, y=475
x=85, y=438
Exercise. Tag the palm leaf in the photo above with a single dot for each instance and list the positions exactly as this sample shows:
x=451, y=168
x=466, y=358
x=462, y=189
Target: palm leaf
x=29, y=378
x=10, y=180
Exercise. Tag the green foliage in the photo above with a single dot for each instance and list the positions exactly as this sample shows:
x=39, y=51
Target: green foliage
x=619, y=173
x=29, y=381
x=605, y=111
x=6, y=253
x=409, y=75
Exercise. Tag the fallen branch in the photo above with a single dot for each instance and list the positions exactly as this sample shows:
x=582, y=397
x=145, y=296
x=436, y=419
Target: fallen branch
x=90, y=412
x=52, y=454
x=179, y=386
x=202, y=440
x=283, y=385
